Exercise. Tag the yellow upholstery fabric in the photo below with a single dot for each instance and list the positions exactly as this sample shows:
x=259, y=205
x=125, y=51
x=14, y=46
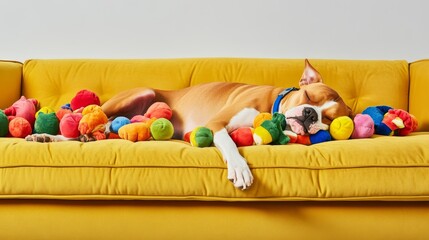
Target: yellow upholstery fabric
x=10, y=81
x=112, y=220
x=55, y=82
x=419, y=97
x=120, y=169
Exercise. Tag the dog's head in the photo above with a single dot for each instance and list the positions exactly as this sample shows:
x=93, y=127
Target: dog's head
x=314, y=106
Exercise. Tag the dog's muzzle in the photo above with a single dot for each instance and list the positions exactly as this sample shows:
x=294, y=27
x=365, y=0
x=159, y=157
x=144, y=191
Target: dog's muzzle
x=304, y=119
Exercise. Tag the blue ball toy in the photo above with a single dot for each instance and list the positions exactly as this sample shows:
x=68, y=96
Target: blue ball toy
x=118, y=123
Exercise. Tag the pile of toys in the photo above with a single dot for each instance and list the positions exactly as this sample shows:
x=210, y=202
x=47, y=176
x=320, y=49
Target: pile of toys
x=83, y=116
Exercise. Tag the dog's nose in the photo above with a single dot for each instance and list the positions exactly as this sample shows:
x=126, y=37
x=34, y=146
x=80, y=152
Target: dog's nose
x=310, y=117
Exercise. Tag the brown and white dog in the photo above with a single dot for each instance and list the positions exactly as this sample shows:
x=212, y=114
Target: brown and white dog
x=224, y=107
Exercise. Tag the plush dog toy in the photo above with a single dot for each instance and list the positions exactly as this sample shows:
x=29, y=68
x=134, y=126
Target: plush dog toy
x=93, y=122
x=25, y=108
x=84, y=98
x=271, y=131
x=4, y=124
x=363, y=126
x=46, y=123
x=319, y=137
x=341, y=128
x=141, y=128
x=69, y=125
x=389, y=121
x=19, y=127
x=200, y=137
x=243, y=136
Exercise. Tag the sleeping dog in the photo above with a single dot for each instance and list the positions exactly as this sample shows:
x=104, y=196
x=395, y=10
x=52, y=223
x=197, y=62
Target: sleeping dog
x=224, y=107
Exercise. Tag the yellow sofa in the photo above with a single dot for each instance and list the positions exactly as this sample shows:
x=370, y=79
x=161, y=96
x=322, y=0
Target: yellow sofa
x=375, y=188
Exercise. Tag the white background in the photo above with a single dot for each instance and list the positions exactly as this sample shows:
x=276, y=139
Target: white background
x=339, y=29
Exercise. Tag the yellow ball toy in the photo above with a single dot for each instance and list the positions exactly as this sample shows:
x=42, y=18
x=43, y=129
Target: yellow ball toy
x=341, y=128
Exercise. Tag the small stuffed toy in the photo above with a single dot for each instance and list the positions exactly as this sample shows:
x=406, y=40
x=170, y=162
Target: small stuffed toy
x=93, y=122
x=389, y=121
x=4, y=124
x=200, y=137
x=271, y=131
x=260, y=118
x=159, y=110
x=118, y=122
x=161, y=129
x=341, y=128
x=69, y=125
x=62, y=112
x=243, y=136
x=406, y=123
x=377, y=114
x=84, y=98
x=138, y=118
x=135, y=132
x=46, y=123
x=319, y=137
x=25, y=108
x=19, y=127
x=363, y=126
x=44, y=110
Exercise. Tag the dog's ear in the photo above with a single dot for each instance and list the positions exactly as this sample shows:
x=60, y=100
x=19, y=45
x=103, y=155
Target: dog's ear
x=310, y=75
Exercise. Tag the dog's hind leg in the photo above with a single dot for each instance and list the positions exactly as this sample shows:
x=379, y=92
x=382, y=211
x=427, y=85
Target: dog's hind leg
x=129, y=103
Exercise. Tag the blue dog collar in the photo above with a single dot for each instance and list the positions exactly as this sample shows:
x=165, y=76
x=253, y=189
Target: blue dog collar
x=285, y=92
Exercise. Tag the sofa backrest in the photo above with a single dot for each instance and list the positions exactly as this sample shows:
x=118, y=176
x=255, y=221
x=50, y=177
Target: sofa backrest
x=361, y=83
x=419, y=92
x=10, y=82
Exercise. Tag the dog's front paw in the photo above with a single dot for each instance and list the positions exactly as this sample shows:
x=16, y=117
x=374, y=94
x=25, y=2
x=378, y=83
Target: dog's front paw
x=40, y=138
x=239, y=172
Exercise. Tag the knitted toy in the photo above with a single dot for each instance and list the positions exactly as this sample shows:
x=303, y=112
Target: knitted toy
x=260, y=118
x=363, y=126
x=84, y=98
x=243, y=136
x=19, y=127
x=62, y=112
x=200, y=137
x=25, y=108
x=161, y=129
x=135, y=132
x=4, y=124
x=44, y=110
x=69, y=125
x=319, y=137
x=93, y=122
x=138, y=118
x=271, y=131
x=118, y=122
x=159, y=110
x=377, y=114
x=404, y=122
x=388, y=121
x=341, y=128
x=46, y=123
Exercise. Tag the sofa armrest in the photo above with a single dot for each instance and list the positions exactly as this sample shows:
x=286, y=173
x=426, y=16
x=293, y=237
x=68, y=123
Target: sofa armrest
x=419, y=85
x=10, y=82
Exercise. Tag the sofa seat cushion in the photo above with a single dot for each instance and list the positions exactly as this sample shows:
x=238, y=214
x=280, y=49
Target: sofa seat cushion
x=391, y=168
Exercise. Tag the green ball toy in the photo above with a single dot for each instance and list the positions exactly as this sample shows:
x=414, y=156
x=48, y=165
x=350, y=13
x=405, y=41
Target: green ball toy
x=4, y=124
x=46, y=123
x=161, y=129
x=201, y=137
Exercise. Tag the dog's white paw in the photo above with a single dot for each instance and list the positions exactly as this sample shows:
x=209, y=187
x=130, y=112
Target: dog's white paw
x=239, y=172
